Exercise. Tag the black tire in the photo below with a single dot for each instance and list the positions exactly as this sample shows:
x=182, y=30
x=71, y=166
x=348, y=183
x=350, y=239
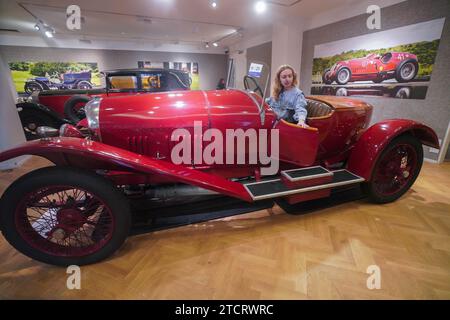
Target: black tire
x=325, y=79
x=32, y=119
x=372, y=188
x=377, y=80
x=32, y=86
x=71, y=111
x=407, y=63
x=347, y=78
x=84, y=85
x=53, y=176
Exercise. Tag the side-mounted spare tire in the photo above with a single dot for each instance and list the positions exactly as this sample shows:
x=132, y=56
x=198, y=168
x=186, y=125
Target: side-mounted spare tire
x=74, y=107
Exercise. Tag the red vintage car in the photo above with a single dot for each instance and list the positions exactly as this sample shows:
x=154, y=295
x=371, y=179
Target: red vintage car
x=120, y=159
x=56, y=107
x=402, y=66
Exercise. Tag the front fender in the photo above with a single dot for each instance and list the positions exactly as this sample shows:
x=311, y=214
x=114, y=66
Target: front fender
x=84, y=153
x=373, y=141
x=40, y=108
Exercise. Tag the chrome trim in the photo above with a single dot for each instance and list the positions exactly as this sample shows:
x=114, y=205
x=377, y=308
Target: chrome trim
x=259, y=182
x=315, y=176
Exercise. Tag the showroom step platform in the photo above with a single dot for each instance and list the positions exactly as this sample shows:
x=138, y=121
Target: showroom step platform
x=279, y=188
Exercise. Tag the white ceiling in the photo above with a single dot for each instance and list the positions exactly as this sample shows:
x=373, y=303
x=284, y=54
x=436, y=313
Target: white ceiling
x=159, y=22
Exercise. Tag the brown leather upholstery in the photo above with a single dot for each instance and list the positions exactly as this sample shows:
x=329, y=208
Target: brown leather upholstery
x=317, y=109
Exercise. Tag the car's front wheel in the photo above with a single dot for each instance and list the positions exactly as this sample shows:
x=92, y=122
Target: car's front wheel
x=63, y=216
x=33, y=86
x=395, y=170
x=326, y=77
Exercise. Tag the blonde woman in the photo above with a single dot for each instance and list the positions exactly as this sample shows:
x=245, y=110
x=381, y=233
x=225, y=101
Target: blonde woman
x=288, y=101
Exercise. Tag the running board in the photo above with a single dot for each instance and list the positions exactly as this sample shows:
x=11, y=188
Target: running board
x=277, y=188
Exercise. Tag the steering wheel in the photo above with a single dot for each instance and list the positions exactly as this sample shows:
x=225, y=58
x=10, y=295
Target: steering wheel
x=257, y=87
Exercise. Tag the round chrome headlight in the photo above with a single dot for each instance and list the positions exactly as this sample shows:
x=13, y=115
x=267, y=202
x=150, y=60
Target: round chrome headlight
x=92, y=110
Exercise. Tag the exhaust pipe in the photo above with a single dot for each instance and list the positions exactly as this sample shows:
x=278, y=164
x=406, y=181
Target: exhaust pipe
x=178, y=191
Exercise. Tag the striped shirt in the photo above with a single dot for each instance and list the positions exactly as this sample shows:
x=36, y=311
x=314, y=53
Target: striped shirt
x=291, y=105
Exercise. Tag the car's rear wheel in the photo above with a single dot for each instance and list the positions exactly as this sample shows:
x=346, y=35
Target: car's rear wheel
x=343, y=76
x=63, y=216
x=84, y=85
x=395, y=170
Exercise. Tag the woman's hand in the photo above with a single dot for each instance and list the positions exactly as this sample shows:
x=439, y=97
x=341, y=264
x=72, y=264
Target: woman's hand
x=302, y=124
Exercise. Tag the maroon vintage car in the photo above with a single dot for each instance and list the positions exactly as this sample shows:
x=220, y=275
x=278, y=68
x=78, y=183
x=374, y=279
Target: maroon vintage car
x=54, y=108
x=402, y=66
x=122, y=157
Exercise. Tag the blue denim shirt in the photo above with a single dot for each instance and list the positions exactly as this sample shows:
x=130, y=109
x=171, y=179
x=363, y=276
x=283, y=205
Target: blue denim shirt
x=291, y=105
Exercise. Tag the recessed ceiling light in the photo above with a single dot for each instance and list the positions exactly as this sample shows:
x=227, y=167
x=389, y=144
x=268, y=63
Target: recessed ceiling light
x=213, y=4
x=215, y=44
x=207, y=45
x=260, y=6
x=49, y=34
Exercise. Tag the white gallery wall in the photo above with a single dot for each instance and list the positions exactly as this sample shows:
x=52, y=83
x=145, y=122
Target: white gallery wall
x=11, y=132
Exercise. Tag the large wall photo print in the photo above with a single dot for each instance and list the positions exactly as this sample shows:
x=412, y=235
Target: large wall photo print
x=395, y=63
x=30, y=76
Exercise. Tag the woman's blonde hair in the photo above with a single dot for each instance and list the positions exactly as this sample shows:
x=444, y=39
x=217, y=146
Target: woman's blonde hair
x=278, y=87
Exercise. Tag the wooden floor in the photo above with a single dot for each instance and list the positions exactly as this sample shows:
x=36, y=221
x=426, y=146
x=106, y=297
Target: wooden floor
x=267, y=254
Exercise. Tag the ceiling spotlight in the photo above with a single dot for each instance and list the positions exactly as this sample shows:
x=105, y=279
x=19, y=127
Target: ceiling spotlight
x=49, y=32
x=215, y=44
x=260, y=6
x=36, y=27
x=214, y=4
x=207, y=45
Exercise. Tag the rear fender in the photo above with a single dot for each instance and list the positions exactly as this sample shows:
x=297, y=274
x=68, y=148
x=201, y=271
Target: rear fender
x=87, y=154
x=40, y=108
x=373, y=141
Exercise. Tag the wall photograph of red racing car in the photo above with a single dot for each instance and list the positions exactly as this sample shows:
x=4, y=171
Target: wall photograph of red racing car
x=394, y=63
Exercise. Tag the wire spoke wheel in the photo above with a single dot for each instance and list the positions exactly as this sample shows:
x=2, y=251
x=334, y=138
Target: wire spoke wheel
x=61, y=221
x=396, y=169
x=64, y=216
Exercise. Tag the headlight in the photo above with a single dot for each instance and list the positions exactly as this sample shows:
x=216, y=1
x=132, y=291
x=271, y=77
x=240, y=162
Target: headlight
x=92, y=110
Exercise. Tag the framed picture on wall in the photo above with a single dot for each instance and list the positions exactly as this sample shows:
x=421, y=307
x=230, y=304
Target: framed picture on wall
x=395, y=63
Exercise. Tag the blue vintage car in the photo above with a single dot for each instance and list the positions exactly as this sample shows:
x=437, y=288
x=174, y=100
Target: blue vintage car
x=73, y=80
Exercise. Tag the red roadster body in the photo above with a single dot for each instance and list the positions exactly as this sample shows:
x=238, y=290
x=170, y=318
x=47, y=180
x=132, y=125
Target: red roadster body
x=79, y=211
x=402, y=66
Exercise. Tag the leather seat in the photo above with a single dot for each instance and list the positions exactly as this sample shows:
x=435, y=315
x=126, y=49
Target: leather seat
x=317, y=109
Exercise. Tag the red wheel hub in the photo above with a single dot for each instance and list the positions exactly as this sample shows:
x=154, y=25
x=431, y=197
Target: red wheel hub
x=395, y=170
x=64, y=221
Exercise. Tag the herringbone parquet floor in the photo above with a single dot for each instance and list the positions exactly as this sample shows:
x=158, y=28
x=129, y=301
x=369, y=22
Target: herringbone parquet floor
x=267, y=254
